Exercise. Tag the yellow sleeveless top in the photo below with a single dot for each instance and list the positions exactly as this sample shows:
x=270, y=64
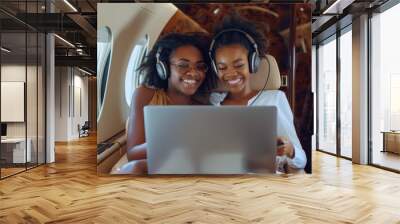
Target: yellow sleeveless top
x=160, y=97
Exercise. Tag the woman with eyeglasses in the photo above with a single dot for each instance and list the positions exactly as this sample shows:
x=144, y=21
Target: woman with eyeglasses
x=235, y=53
x=175, y=70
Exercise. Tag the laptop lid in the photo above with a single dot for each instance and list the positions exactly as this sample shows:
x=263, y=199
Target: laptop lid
x=210, y=140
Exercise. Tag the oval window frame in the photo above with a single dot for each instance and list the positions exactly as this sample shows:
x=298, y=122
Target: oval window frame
x=104, y=53
x=133, y=78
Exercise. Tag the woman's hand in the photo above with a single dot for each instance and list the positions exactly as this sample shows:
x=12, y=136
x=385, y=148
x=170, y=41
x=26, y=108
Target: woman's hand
x=285, y=147
x=137, y=167
x=137, y=152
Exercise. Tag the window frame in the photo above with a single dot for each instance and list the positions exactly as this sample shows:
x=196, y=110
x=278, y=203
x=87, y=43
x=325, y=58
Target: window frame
x=103, y=67
x=132, y=75
x=379, y=10
x=333, y=37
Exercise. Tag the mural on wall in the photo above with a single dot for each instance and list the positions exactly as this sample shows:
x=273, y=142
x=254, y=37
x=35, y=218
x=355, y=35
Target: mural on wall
x=287, y=31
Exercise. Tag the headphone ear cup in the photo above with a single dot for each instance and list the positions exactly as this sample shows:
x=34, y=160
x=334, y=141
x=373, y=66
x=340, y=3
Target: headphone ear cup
x=254, y=62
x=257, y=61
x=162, y=70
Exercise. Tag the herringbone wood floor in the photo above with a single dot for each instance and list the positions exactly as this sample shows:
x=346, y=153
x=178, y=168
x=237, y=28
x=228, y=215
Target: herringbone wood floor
x=70, y=191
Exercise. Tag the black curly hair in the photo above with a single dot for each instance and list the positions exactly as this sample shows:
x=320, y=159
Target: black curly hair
x=169, y=43
x=235, y=21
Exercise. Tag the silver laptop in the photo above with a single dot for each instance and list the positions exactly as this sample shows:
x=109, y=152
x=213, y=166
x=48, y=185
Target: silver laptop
x=210, y=139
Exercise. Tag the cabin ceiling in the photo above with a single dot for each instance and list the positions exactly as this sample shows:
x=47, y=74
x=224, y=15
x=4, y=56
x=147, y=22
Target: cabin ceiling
x=208, y=15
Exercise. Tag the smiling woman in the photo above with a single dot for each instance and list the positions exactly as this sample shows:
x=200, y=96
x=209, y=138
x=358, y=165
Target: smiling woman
x=235, y=53
x=175, y=69
x=233, y=68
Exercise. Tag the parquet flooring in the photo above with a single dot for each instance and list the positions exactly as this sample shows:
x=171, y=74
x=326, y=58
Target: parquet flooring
x=10, y=171
x=387, y=159
x=70, y=191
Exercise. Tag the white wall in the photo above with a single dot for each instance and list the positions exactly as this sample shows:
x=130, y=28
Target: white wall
x=360, y=90
x=79, y=117
x=12, y=73
x=61, y=103
x=70, y=83
x=33, y=126
x=50, y=95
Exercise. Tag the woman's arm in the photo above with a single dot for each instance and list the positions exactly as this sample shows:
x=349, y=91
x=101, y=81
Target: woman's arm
x=296, y=157
x=136, y=136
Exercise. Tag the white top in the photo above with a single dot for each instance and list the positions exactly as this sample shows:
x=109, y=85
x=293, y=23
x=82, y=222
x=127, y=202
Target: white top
x=284, y=124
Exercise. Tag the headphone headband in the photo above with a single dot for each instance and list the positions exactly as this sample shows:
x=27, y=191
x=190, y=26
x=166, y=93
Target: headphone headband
x=253, y=58
x=252, y=41
x=158, y=54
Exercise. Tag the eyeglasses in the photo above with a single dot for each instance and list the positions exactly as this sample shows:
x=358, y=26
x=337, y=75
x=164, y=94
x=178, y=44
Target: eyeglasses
x=184, y=67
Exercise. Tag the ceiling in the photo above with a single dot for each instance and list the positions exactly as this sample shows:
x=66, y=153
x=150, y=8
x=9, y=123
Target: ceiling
x=76, y=22
x=76, y=25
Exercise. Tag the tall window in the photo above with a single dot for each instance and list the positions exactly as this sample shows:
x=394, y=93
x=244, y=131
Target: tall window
x=394, y=102
x=327, y=96
x=346, y=93
x=385, y=86
x=132, y=77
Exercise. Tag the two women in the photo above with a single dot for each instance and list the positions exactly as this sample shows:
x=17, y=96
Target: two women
x=178, y=67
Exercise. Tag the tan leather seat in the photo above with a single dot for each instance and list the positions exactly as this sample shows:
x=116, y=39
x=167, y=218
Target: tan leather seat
x=257, y=80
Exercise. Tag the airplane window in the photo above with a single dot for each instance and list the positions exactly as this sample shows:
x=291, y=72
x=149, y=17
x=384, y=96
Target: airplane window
x=133, y=78
x=103, y=62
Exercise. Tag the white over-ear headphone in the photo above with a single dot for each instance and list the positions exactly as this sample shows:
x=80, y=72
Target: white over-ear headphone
x=161, y=67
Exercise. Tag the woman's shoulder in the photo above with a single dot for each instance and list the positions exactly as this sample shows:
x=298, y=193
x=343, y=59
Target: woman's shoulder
x=143, y=95
x=145, y=92
x=277, y=98
x=268, y=97
x=272, y=94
